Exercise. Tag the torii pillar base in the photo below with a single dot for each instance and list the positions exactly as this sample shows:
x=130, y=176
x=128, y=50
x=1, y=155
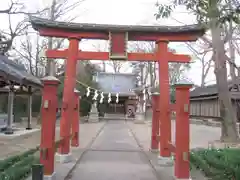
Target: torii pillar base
x=50, y=177
x=63, y=158
x=139, y=118
x=93, y=117
x=165, y=161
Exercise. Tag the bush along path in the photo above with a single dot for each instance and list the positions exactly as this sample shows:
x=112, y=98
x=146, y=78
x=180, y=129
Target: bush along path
x=18, y=167
x=217, y=164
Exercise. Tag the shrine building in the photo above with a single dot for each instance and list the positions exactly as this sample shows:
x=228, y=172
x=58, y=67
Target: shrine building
x=122, y=83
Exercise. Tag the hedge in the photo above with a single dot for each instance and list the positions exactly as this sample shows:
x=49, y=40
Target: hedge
x=18, y=167
x=217, y=164
x=6, y=163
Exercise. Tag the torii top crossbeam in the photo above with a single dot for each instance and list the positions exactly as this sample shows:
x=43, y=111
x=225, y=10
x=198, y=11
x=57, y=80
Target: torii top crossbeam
x=118, y=36
x=101, y=31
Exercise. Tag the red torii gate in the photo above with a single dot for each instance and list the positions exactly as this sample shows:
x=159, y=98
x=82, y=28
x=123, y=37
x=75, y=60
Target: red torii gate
x=118, y=35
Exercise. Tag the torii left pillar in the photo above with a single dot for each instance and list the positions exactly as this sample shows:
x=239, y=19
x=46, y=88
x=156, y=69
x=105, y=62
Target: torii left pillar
x=49, y=107
x=64, y=154
x=155, y=122
x=164, y=104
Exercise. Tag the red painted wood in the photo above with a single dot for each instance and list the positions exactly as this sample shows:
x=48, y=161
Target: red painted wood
x=86, y=55
x=68, y=96
x=155, y=122
x=51, y=32
x=76, y=122
x=48, y=126
x=118, y=44
x=172, y=107
x=182, y=133
x=132, y=36
x=172, y=147
x=164, y=103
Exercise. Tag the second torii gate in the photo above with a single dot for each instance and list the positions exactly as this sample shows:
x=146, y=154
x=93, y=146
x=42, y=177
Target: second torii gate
x=118, y=36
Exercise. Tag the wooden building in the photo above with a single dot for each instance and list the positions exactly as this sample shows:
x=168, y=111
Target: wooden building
x=123, y=84
x=204, y=101
x=15, y=80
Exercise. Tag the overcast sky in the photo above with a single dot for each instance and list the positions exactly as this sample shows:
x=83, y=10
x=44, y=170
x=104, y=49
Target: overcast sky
x=124, y=12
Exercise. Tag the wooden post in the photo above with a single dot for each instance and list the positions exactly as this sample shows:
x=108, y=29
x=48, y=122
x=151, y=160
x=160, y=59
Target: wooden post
x=182, y=170
x=164, y=104
x=155, y=122
x=49, y=106
x=9, y=129
x=64, y=154
x=29, y=122
x=75, y=120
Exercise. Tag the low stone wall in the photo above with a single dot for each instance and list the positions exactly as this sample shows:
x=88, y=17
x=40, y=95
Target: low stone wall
x=205, y=122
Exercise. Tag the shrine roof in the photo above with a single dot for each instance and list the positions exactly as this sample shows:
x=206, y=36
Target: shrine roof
x=39, y=23
x=211, y=91
x=16, y=74
x=113, y=83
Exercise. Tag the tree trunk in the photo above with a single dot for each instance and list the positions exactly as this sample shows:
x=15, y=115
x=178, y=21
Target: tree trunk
x=151, y=74
x=202, y=74
x=228, y=117
x=231, y=52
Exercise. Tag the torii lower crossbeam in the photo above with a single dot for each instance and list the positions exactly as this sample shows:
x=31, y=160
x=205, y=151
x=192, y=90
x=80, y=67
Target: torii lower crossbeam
x=88, y=55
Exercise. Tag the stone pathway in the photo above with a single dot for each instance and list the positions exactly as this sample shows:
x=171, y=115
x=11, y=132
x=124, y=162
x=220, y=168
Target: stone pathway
x=17, y=145
x=121, y=151
x=113, y=150
x=200, y=135
x=114, y=155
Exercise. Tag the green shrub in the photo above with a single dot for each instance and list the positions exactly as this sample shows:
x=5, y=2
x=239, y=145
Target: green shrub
x=20, y=170
x=6, y=163
x=217, y=164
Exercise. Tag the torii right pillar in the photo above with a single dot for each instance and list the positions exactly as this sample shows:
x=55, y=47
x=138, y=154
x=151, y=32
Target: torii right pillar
x=182, y=139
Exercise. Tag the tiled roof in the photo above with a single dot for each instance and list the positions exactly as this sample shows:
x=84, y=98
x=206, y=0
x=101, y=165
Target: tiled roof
x=40, y=22
x=117, y=83
x=16, y=74
x=210, y=90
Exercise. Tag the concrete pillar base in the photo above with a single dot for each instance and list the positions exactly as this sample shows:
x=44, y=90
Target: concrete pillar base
x=9, y=131
x=137, y=121
x=93, y=120
x=154, y=150
x=165, y=161
x=63, y=158
x=50, y=177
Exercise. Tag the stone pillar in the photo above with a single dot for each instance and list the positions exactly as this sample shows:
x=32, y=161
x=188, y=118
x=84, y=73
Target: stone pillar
x=164, y=103
x=29, y=122
x=9, y=129
x=182, y=166
x=67, y=112
x=93, y=117
x=155, y=123
x=140, y=115
x=76, y=120
x=49, y=107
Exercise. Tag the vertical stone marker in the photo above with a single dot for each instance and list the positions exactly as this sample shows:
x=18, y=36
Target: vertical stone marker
x=93, y=117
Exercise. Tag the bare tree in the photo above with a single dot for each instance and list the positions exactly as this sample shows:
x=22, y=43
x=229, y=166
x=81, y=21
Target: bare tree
x=114, y=64
x=15, y=9
x=31, y=46
x=58, y=9
x=176, y=70
x=200, y=54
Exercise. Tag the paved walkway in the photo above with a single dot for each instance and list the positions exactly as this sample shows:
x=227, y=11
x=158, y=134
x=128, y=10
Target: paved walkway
x=114, y=155
x=121, y=151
